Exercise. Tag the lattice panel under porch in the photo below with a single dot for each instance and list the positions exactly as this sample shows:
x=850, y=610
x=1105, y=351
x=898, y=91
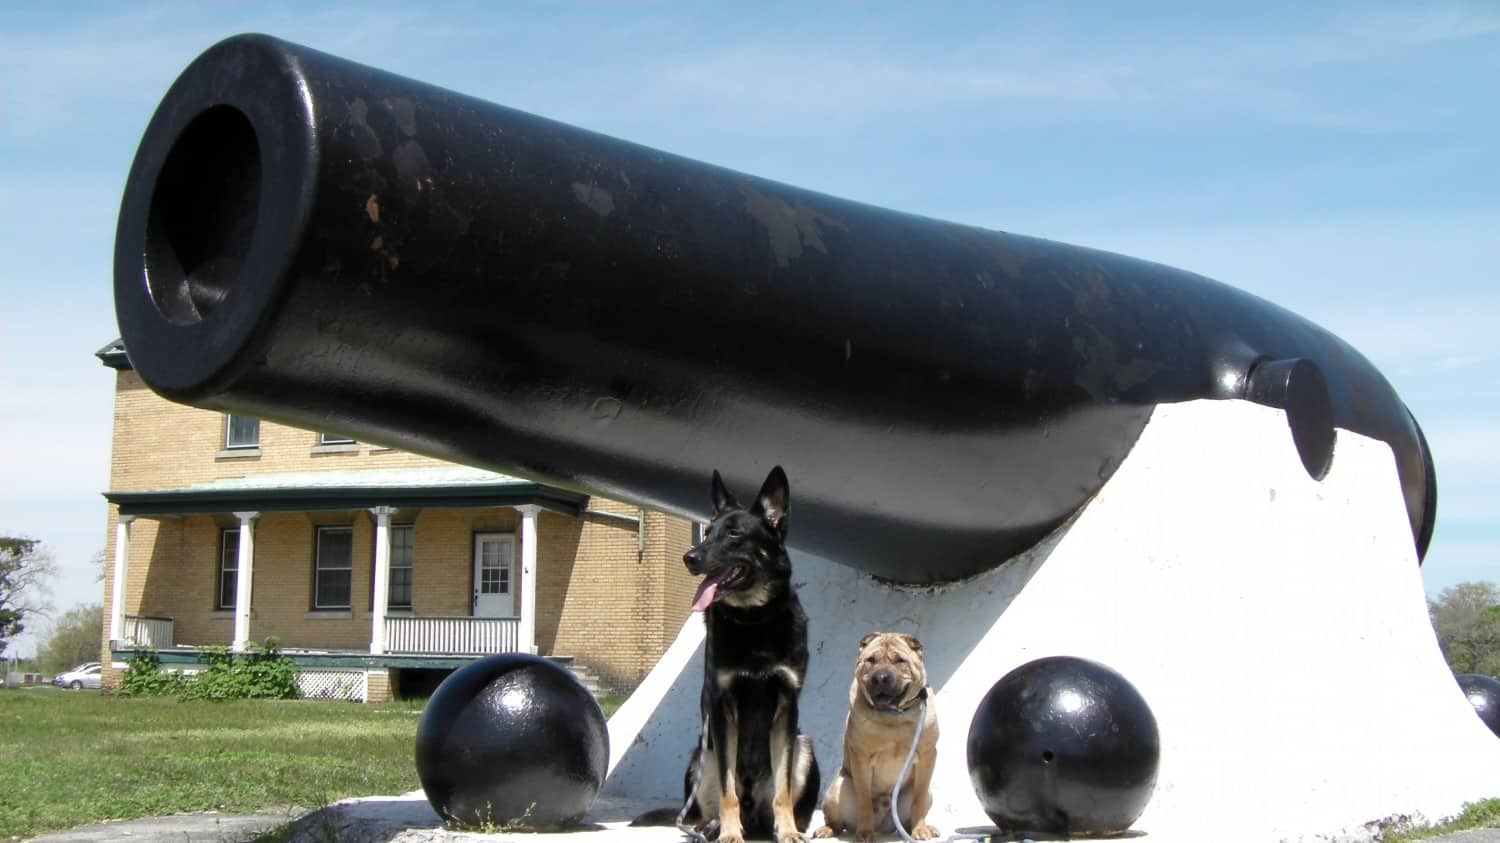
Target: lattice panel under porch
x=332, y=685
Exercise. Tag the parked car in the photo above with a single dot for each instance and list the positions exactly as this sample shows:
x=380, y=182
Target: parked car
x=83, y=676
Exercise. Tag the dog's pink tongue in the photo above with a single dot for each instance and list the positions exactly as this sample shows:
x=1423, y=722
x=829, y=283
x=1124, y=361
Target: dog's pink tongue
x=706, y=591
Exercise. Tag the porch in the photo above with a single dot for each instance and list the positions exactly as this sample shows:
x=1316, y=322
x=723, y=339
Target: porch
x=405, y=635
x=415, y=644
x=411, y=567
x=339, y=507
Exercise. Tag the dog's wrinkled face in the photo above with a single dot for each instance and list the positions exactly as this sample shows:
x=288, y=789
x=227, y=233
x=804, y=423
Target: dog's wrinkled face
x=743, y=553
x=890, y=672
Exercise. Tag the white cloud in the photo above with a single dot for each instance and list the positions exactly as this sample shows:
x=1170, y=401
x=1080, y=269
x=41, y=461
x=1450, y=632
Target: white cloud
x=800, y=81
x=53, y=82
x=1147, y=73
x=1378, y=33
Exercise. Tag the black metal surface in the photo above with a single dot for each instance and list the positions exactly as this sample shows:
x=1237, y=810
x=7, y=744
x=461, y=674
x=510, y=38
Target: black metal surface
x=512, y=740
x=1300, y=390
x=316, y=242
x=1063, y=745
x=1484, y=694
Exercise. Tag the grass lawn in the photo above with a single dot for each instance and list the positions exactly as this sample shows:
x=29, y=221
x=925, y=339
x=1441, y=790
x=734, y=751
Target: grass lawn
x=1484, y=814
x=74, y=758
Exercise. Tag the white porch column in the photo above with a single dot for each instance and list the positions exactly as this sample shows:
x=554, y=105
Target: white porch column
x=526, y=642
x=122, y=569
x=244, y=580
x=382, y=577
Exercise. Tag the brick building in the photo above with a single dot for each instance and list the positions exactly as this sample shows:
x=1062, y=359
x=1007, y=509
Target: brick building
x=376, y=569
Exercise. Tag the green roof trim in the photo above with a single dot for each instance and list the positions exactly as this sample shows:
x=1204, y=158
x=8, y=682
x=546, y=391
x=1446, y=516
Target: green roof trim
x=114, y=355
x=204, y=501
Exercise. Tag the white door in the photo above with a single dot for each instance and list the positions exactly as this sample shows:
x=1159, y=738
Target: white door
x=494, y=575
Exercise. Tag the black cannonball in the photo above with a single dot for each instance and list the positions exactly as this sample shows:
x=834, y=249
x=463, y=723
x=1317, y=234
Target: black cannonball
x=1063, y=745
x=512, y=741
x=1484, y=694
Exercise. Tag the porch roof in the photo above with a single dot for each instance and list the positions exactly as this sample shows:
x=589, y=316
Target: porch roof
x=446, y=486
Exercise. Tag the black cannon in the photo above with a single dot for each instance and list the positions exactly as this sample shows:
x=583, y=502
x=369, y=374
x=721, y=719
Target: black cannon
x=317, y=242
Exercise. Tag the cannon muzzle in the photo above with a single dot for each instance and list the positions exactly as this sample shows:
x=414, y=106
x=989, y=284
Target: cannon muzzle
x=317, y=242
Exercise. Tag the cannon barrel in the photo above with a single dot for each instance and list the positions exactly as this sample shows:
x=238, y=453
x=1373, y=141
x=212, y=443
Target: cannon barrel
x=314, y=241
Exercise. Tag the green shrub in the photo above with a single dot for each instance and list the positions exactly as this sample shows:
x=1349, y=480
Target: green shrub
x=145, y=678
x=1482, y=814
x=260, y=674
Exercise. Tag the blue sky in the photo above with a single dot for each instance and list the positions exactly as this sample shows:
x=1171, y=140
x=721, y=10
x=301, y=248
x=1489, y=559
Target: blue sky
x=1338, y=159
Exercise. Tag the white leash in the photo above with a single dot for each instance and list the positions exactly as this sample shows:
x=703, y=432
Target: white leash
x=682, y=825
x=896, y=791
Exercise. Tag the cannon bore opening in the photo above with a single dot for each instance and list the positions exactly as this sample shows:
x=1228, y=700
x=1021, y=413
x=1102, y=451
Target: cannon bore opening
x=203, y=214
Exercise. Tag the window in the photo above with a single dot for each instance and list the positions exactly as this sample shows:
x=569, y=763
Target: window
x=494, y=564
x=334, y=439
x=229, y=567
x=332, y=570
x=402, y=555
x=241, y=432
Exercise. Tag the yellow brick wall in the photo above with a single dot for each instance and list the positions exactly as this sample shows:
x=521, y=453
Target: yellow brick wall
x=642, y=595
x=182, y=583
x=147, y=427
x=378, y=686
x=443, y=558
x=678, y=587
x=594, y=595
x=611, y=604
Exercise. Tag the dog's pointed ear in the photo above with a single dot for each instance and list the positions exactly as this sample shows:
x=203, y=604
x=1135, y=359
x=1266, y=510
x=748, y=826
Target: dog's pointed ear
x=775, y=499
x=722, y=499
x=865, y=642
x=913, y=643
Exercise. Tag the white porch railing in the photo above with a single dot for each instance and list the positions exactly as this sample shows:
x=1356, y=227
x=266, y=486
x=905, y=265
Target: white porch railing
x=456, y=635
x=156, y=633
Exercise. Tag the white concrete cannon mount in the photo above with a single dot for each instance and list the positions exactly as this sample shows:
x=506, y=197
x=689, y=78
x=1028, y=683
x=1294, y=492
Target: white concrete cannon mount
x=1276, y=624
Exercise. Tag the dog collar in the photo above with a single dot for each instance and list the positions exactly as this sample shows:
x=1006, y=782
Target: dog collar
x=746, y=621
x=742, y=617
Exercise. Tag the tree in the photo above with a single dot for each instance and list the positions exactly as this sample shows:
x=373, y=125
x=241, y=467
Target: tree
x=26, y=572
x=1466, y=618
x=76, y=637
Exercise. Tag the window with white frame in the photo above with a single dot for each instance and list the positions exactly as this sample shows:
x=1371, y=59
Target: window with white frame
x=241, y=431
x=334, y=439
x=494, y=566
x=229, y=567
x=333, y=569
x=402, y=555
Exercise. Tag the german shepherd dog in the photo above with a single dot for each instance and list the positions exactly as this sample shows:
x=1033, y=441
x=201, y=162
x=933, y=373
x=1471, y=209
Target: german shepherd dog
x=753, y=773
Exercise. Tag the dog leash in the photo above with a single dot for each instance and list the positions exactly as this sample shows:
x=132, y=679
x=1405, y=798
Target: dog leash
x=911, y=756
x=692, y=833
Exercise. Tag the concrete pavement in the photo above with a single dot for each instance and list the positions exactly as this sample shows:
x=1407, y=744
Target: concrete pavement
x=409, y=819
